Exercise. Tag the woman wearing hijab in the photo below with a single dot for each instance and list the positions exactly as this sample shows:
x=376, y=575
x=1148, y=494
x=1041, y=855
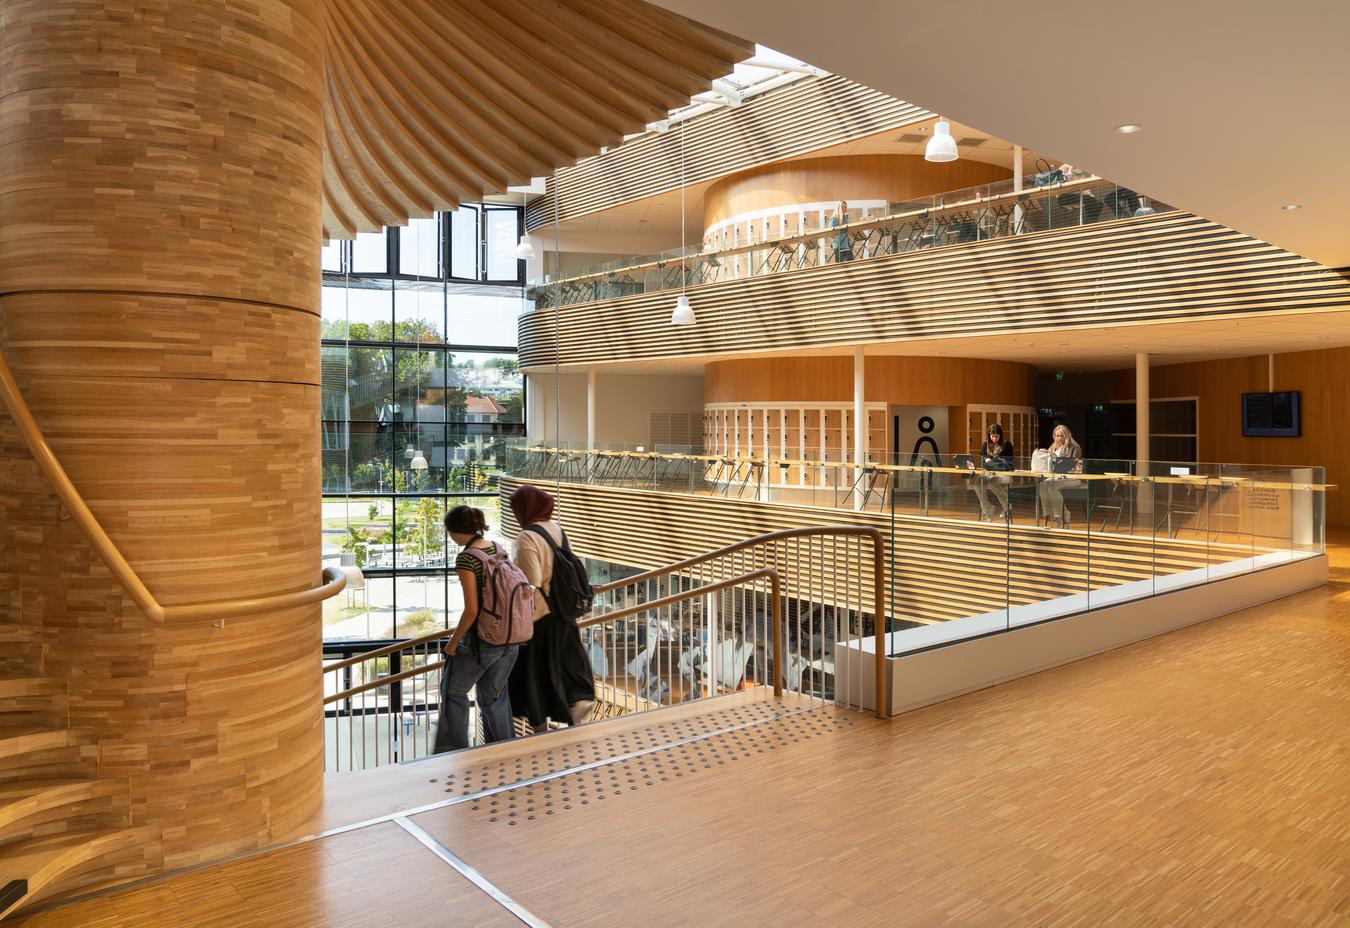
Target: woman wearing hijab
x=552, y=677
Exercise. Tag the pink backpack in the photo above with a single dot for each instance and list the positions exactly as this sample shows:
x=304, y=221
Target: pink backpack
x=506, y=614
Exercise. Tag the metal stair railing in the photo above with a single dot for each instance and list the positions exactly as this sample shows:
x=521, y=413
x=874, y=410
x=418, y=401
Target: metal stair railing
x=769, y=611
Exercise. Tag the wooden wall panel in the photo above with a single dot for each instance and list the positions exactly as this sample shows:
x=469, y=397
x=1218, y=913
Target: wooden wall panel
x=159, y=262
x=849, y=177
x=805, y=115
x=1171, y=266
x=1323, y=378
x=892, y=379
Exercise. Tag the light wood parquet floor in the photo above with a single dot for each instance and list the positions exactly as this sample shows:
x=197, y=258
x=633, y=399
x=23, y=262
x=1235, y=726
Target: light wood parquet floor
x=1197, y=779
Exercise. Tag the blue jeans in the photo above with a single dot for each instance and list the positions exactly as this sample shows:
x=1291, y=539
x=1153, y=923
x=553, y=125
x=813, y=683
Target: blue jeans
x=489, y=671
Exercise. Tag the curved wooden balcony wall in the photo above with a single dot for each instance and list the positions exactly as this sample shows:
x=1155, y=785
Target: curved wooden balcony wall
x=842, y=177
x=1168, y=267
x=806, y=115
x=430, y=103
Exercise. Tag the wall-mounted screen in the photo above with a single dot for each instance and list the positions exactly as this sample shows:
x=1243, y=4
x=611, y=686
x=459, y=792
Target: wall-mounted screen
x=1270, y=415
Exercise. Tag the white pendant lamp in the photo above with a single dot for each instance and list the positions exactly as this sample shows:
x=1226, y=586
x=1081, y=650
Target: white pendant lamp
x=524, y=250
x=418, y=462
x=684, y=313
x=941, y=147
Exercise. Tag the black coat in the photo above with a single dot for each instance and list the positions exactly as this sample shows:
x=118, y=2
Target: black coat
x=1006, y=453
x=552, y=672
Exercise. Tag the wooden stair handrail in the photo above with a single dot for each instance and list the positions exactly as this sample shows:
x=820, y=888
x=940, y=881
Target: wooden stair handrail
x=873, y=533
x=776, y=591
x=333, y=580
x=878, y=605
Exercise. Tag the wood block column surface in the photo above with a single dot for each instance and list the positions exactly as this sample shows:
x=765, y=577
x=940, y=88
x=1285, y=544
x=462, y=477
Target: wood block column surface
x=160, y=177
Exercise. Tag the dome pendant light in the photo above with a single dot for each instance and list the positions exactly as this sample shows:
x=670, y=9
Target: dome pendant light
x=941, y=147
x=524, y=250
x=684, y=313
x=419, y=462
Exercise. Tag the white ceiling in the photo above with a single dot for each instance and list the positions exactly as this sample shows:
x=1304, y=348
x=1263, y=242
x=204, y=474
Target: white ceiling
x=1200, y=77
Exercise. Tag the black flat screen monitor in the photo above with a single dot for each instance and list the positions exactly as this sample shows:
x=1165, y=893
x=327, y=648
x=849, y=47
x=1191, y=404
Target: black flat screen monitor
x=1270, y=415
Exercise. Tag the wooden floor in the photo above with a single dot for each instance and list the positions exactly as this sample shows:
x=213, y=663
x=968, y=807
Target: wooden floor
x=1197, y=779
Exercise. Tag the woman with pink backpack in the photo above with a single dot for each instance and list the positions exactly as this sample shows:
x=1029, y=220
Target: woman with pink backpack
x=498, y=617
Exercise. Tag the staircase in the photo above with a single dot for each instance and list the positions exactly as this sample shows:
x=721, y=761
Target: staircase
x=62, y=826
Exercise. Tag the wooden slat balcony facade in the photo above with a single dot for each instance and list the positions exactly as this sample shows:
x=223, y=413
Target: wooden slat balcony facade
x=1166, y=267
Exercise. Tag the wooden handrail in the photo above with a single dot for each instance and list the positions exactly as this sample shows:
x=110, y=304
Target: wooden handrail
x=776, y=594
x=878, y=584
x=390, y=649
x=383, y=681
x=333, y=580
x=878, y=607
x=873, y=533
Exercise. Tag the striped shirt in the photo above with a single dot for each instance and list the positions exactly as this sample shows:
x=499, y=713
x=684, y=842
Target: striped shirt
x=466, y=561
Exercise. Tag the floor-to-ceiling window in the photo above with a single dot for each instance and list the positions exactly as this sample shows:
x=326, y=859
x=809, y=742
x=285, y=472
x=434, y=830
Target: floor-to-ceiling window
x=421, y=396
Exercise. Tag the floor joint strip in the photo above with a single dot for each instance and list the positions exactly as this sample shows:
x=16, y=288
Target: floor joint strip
x=393, y=817
x=470, y=874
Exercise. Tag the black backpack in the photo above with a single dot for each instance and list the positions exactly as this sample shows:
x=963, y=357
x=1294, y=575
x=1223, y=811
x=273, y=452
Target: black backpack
x=570, y=593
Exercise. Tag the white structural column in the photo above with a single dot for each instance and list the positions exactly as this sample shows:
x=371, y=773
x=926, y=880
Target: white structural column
x=1017, y=188
x=590, y=424
x=1142, y=453
x=859, y=427
x=590, y=410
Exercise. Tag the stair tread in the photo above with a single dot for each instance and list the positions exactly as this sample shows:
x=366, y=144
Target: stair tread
x=29, y=738
x=29, y=685
x=16, y=788
x=40, y=860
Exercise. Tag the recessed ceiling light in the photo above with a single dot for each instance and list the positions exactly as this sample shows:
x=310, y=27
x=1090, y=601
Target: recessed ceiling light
x=1128, y=129
x=1290, y=207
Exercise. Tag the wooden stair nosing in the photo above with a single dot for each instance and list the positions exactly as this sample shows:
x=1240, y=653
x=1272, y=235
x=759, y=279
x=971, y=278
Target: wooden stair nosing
x=42, y=861
x=20, y=799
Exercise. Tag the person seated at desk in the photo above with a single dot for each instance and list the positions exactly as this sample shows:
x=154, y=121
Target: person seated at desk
x=1064, y=454
x=995, y=454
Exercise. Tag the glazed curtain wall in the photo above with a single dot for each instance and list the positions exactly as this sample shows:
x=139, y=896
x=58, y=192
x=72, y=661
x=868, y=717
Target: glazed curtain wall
x=419, y=365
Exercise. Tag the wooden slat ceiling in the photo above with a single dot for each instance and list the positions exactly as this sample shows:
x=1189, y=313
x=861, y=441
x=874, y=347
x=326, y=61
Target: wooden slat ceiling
x=804, y=116
x=433, y=102
x=1169, y=267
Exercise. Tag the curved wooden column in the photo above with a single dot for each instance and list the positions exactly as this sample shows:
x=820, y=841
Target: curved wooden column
x=160, y=183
